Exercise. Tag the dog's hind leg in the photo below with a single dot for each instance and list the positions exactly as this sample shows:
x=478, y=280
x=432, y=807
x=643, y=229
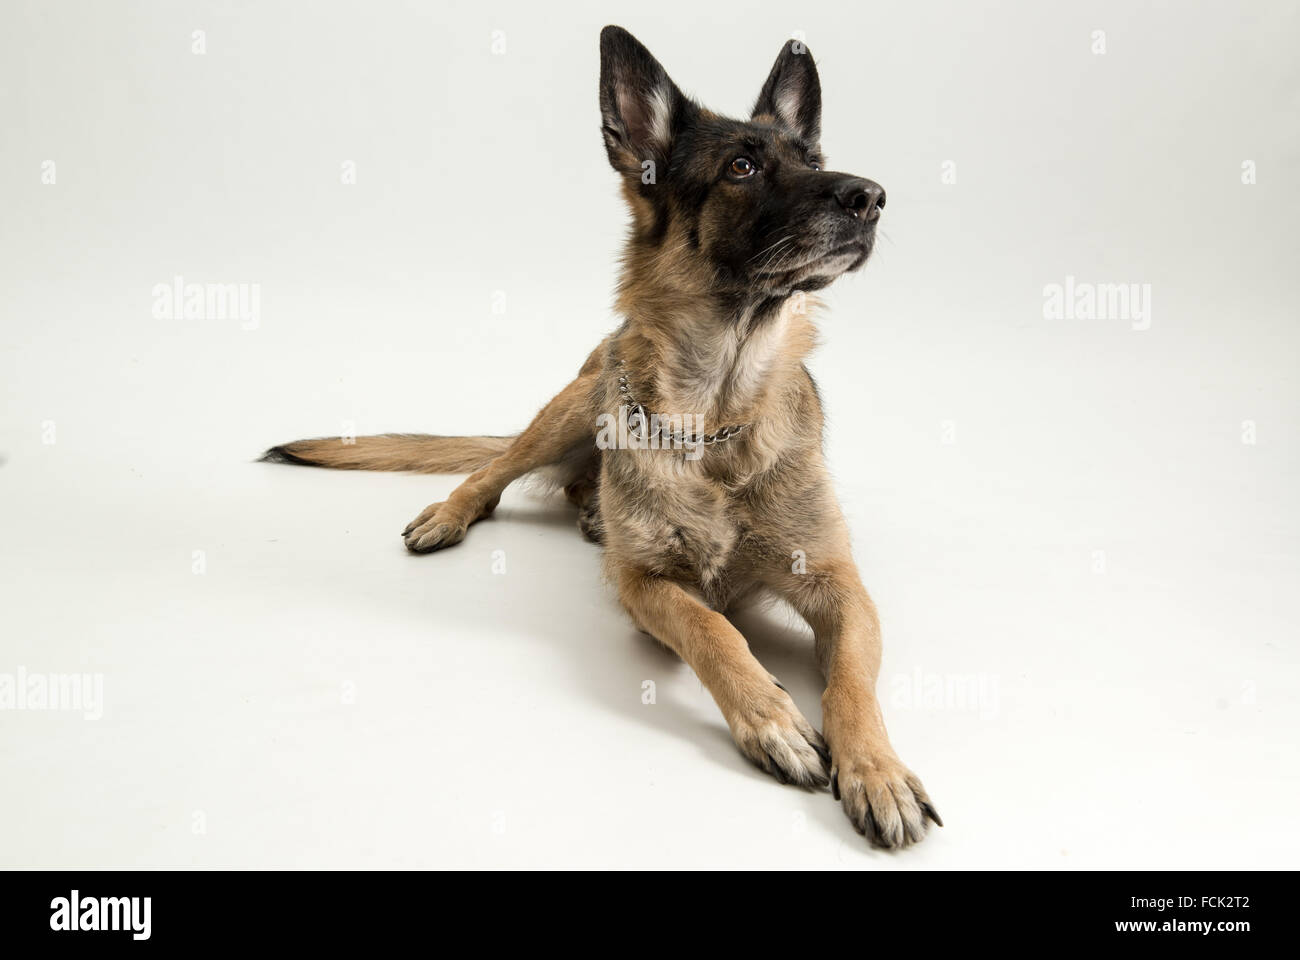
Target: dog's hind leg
x=583, y=491
x=564, y=425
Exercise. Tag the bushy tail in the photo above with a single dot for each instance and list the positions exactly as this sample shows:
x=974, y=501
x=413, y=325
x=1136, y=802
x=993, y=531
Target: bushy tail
x=418, y=452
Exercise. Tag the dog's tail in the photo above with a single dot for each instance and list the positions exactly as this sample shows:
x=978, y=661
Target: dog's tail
x=417, y=452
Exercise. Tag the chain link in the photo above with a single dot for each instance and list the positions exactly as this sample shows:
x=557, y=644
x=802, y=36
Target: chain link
x=638, y=410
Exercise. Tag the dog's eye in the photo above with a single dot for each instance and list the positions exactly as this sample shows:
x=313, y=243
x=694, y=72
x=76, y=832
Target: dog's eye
x=743, y=167
x=815, y=164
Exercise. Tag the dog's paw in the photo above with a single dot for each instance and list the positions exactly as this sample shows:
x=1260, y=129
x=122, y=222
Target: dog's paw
x=770, y=731
x=436, y=527
x=590, y=524
x=882, y=798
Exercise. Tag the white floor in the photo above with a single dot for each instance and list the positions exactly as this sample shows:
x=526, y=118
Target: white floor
x=318, y=697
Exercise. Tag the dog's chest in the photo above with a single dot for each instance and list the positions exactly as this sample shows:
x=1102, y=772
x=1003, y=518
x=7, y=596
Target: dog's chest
x=676, y=520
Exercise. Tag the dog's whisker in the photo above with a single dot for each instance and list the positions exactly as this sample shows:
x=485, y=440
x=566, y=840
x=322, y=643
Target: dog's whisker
x=770, y=247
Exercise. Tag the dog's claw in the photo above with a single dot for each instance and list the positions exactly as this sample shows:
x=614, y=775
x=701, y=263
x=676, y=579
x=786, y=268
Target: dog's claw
x=871, y=829
x=930, y=812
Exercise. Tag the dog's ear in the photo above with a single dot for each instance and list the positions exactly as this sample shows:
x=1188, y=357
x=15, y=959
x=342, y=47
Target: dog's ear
x=639, y=104
x=793, y=94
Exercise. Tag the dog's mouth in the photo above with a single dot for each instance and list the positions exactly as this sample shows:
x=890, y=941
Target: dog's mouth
x=855, y=248
x=821, y=265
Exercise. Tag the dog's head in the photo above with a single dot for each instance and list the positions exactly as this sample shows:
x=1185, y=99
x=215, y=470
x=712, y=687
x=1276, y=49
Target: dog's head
x=749, y=198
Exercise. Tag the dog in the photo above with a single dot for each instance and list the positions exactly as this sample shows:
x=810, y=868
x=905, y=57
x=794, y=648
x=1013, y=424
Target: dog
x=690, y=440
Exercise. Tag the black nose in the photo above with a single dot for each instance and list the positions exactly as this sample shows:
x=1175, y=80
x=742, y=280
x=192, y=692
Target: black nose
x=863, y=199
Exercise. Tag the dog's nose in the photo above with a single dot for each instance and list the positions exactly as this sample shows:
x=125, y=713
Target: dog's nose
x=863, y=199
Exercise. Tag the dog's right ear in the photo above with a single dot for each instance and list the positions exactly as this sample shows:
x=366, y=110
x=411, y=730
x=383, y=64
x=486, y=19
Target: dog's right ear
x=639, y=103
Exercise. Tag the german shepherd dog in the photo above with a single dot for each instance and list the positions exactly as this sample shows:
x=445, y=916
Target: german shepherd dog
x=734, y=223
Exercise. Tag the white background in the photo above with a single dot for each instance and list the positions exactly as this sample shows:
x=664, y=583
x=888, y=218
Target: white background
x=1144, y=716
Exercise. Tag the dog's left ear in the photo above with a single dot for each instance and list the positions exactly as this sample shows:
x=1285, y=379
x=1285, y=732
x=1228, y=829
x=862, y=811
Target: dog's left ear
x=793, y=94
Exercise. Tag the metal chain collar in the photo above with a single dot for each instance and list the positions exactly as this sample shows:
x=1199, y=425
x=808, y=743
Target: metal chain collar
x=638, y=421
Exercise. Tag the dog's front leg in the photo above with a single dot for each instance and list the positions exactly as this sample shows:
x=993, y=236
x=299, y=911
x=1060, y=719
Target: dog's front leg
x=884, y=800
x=765, y=723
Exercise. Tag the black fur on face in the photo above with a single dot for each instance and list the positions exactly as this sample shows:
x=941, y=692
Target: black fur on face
x=750, y=196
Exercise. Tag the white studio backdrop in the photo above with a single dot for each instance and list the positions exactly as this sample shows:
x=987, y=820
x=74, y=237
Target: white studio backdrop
x=1080, y=528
